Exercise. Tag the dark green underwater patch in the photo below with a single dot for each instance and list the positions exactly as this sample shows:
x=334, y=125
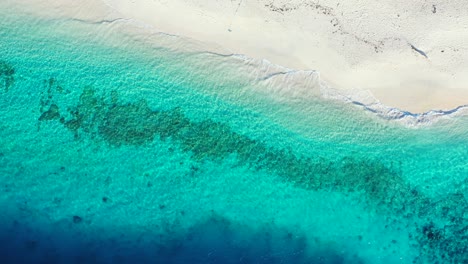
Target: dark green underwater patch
x=50, y=114
x=7, y=75
x=119, y=123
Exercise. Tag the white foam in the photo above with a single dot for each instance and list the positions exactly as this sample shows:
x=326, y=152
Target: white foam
x=289, y=84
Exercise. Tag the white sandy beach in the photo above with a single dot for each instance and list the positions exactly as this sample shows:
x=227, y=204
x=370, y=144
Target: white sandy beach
x=409, y=54
x=368, y=45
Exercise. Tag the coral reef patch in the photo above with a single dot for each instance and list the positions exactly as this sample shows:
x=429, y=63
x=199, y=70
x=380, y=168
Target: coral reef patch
x=7, y=75
x=383, y=188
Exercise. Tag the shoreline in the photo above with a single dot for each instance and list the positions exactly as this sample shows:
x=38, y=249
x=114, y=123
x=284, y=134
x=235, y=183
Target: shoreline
x=310, y=80
x=408, y=70
x=368, y=102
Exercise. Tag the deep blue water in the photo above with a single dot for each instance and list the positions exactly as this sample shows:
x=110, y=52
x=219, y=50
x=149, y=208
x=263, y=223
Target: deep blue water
x=119, y=148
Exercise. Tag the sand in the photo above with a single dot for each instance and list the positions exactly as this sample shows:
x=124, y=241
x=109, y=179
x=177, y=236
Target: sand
x=408, y=55
x=365, y=45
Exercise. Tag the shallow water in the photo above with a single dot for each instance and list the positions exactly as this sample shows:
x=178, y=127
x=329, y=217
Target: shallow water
x=134, y=148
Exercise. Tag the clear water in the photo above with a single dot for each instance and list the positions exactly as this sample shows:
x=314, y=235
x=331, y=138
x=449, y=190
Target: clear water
x=133, y=148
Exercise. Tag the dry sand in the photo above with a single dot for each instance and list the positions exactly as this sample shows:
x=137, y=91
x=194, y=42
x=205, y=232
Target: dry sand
x=409, y=54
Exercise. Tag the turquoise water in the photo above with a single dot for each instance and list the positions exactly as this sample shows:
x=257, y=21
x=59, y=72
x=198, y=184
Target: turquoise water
x=134, y=148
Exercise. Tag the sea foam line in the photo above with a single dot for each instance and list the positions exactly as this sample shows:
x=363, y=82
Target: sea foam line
x=358, y=97
x=269, y=71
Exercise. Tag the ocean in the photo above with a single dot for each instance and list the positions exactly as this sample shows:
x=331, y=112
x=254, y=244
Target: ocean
x=120, y=144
